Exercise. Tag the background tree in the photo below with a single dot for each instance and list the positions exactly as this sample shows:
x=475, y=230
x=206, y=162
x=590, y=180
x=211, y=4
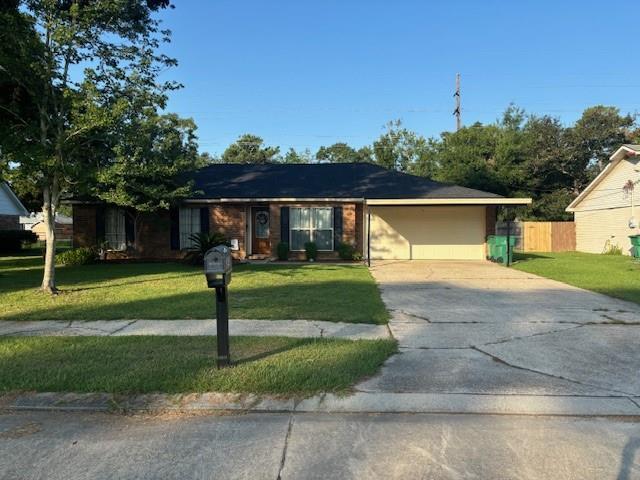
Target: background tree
x=293, y=156
x=248, y=149
x=150, y=160
x=59, y=121
x=597, y=134
x=400, y=149
x=342, y=153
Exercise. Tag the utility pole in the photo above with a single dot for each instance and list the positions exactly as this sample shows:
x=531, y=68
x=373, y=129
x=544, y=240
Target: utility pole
x=457, y=112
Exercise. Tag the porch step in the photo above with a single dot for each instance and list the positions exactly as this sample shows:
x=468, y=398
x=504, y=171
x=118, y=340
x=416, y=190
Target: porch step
x=258, y=257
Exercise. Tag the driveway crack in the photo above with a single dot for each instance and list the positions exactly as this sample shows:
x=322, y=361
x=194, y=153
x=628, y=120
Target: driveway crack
x=538, y=334
x=403, y=312
x=283, y=459
x=557, y=377
x=632, y=400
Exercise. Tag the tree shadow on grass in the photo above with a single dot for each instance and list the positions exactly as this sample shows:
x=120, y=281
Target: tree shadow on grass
x=355, y=301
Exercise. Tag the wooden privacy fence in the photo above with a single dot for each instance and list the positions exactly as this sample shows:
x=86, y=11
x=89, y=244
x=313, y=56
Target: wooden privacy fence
x=541, y=236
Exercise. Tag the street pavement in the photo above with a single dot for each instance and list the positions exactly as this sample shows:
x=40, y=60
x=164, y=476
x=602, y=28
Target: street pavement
x=69, y=446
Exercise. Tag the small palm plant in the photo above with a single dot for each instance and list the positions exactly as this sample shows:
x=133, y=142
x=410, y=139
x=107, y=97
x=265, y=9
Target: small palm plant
x=203, y=242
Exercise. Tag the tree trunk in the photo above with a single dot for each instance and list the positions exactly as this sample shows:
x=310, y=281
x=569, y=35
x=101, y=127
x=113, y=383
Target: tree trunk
x=50, y=195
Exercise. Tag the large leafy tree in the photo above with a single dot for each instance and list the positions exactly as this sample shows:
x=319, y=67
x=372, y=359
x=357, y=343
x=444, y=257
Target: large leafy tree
x=401, y=149
x=149, y=158
x=342, y=153
x=249, y=149
x=294, y=156
x=596, y=135
x=69, y=68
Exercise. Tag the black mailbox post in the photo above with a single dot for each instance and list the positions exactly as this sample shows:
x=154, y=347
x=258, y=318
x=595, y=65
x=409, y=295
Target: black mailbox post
x=217, y=269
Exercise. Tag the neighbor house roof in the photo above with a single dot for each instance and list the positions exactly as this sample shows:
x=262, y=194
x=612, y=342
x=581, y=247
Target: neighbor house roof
x=9, y=203
x=362, y=181
x=625, y=151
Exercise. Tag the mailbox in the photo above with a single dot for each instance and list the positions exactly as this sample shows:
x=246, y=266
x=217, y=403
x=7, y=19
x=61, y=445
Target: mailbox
x=217, y=269
x=217, y=266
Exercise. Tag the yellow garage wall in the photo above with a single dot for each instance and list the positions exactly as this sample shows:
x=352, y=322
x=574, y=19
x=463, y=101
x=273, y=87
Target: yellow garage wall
x=421, y=233
x=595, y=227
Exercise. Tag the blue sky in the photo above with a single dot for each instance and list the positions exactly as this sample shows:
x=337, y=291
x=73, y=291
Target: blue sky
x=308, y=73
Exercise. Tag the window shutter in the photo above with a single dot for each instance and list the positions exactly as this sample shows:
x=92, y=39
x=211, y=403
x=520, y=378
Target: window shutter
x=174, y=220
x=129, y=229
x=100, y=224
x=204, y=220
x=284, y=225
x=337, y=227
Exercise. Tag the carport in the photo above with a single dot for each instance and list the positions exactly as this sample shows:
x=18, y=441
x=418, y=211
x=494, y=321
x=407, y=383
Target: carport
x=432, y=228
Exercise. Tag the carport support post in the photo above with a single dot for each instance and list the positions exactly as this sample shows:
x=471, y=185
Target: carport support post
x=368, y=236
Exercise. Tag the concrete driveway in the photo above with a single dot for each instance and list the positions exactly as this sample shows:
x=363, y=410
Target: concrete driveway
x=479, y=328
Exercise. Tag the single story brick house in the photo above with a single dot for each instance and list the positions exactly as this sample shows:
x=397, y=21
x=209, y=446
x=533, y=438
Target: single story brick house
x=382, y=213
x=11, y=208
x=604, y=210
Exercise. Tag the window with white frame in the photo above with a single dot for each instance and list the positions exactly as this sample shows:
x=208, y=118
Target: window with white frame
x=189, y=224
x=114, y=229
x=311, y=224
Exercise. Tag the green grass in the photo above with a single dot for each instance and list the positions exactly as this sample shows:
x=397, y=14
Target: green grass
x=614, y=275
x=345, y=293
x=274, y=365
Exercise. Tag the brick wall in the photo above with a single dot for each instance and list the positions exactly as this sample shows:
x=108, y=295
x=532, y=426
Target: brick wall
x=154, y=236
x=360, y=219
x=9, y=222
x=154, y=230
x=490, y=223
x=84, y=226
x=231, y=221
x=153, y=233
x=351, y=223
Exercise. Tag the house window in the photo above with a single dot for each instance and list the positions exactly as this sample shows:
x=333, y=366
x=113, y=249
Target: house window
x=189, y=224
x=114, y=230
x=311, y=225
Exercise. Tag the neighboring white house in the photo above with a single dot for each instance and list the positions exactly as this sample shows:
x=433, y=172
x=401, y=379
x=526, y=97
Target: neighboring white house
x=605, y=209
x=10, y=209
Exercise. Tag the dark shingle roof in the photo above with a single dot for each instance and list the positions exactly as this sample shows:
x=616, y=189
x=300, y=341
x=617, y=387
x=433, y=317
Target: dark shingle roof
x=321, y=180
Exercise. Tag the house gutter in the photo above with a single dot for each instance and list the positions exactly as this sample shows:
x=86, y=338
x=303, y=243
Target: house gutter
x=449, y=201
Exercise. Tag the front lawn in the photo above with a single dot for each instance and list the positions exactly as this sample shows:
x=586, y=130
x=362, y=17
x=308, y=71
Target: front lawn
x=274, y=365
x=614, y=275
x=345, y=293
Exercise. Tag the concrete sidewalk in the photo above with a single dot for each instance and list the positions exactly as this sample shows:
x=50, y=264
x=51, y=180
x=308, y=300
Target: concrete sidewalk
x=262, y=328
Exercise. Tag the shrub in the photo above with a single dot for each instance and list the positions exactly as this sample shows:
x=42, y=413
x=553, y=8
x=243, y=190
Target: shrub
x=12, y=240
x=346, y=251
x=283, y=251
x=612, y=249
x=311, y=250
x=77, y=256
x=202, y=243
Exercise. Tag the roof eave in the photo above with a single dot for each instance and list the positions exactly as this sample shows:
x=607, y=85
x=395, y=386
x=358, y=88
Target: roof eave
x=449, y=201
x=620, y=154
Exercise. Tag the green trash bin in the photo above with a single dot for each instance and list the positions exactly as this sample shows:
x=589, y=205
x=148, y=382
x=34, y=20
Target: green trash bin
x=491, y=243
x=635, y=243
x=499, y=250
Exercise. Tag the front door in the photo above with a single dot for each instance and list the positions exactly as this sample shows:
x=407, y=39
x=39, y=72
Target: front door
x=260, y=244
